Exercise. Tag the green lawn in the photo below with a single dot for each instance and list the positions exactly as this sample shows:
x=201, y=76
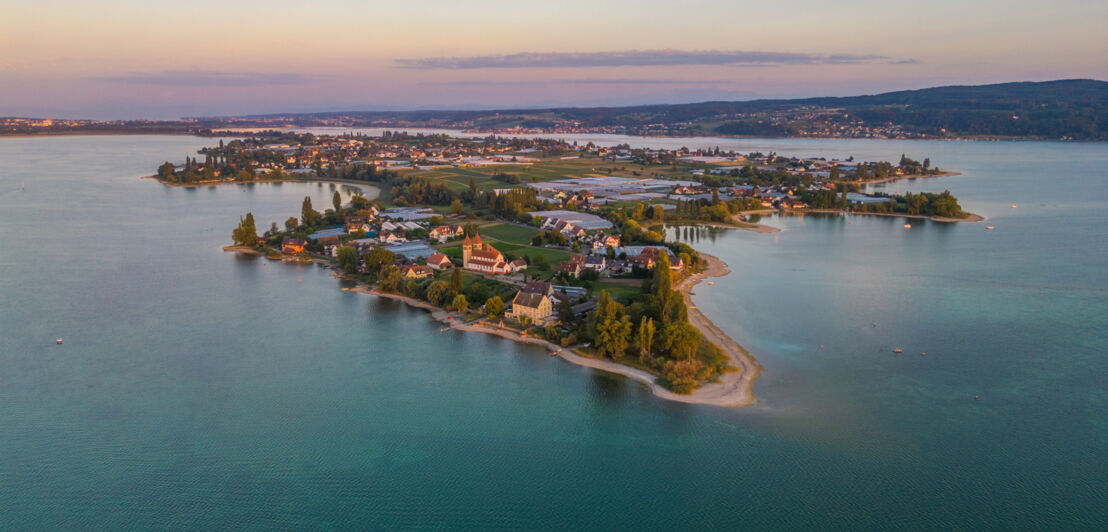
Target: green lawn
x=509, y=233
x=618, y=290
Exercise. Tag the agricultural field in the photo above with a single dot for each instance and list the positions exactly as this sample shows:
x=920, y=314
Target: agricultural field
x=548, y=169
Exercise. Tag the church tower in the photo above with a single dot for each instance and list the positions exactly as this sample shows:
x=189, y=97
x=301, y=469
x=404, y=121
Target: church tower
x=467, y=247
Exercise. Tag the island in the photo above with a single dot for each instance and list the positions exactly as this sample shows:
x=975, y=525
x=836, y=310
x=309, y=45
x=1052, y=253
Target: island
x=549, y=242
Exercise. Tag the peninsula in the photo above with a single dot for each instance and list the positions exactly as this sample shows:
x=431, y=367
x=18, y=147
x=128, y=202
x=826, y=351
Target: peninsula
x=542, y=241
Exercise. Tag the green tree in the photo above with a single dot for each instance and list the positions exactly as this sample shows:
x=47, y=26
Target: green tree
x=348, y=259
x=494, y=307
x=165, y=171
x=292, y=224
x=336, y=201
x=390, y=279
x=680, y=339
x=308, y=215
x=459, y=304
x=646, y=338
x=378, y=258
x=358, y=201
x=456, y=280
x=659, y=213
x=245, y=234
x=457, y=207
x=437, y=292
x=612, y=325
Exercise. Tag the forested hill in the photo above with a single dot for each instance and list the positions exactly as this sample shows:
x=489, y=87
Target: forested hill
x=1074, y=109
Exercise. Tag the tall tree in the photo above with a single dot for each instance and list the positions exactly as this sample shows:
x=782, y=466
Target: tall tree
x=348, y=259
x=494, y=307
x=308, y=215
x=336, y=200
x=646, y=338
x=459, y=304
x=456, y=280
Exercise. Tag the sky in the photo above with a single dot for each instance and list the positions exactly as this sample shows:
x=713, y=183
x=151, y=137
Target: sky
x=125, y=59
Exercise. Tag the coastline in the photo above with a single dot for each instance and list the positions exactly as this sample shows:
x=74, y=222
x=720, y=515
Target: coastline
x=970, y=217
x=894, y=178
x=734, y=389
x=373, y=190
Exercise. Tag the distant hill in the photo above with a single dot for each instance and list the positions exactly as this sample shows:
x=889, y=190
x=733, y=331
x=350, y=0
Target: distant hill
x=1074, y=109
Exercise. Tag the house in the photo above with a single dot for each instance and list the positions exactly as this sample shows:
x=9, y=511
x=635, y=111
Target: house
x=354, y=227
x=572, y=231
x=596, y=262
x=518, y=265
x=443, y=233
x=602, y=241
x=416, y=271
x=293, y=246
x=533, y=306
x=438, y=261
x=480, y=257
x=570, y=267
x=539, y=287
x=389, y=237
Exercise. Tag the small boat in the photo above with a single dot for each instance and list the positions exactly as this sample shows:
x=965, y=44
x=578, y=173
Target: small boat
x=710, y=283
x=907, y=226
x=898, y=350
x=59, y=341
x=553, y=353
x=22, y=186
x=1013, y=205
x=988, y=228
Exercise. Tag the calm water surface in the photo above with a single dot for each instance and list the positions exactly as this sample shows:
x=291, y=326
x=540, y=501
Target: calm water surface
x=199, y=389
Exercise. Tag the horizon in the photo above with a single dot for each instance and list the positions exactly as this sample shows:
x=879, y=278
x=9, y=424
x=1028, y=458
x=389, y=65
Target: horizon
x=484, y=107
x=161, y=61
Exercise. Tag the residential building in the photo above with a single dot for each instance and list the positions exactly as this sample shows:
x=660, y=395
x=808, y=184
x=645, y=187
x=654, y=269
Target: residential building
x=438, y=261
x=293, y=246
x=530, y=305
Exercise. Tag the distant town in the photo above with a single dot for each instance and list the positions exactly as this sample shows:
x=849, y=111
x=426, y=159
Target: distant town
x=570, y=244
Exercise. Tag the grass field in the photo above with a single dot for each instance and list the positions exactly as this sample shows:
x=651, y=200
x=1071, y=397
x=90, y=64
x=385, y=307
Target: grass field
x=618, y=289
x=510, y=233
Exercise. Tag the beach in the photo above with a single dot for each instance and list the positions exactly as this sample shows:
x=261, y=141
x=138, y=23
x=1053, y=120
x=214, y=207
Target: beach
x=731, y=390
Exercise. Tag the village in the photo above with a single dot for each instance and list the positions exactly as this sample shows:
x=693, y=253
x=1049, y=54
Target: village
x=568, y=244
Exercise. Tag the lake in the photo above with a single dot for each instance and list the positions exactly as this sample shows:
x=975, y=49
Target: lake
x=199, y=389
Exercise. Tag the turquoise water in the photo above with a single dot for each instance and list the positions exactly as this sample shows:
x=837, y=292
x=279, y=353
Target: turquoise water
x=199, y=389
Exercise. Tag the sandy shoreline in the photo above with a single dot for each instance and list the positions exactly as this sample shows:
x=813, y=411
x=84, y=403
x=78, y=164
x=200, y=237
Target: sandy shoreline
x=732, y=390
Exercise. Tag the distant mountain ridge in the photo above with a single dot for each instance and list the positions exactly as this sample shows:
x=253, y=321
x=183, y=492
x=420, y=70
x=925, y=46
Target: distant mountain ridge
x=1072, y=109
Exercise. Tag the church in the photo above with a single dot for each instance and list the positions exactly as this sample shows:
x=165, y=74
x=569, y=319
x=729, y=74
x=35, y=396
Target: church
x=481, y=257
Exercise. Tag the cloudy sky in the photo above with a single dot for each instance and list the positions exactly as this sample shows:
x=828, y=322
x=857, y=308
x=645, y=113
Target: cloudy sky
x=155, y=59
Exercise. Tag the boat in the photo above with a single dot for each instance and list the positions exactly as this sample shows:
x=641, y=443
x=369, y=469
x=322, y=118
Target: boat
x=907, y=226
x=898, y=350
x=710, y=283
x=988, y=228
x=1013, y=205
x=59, y=341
